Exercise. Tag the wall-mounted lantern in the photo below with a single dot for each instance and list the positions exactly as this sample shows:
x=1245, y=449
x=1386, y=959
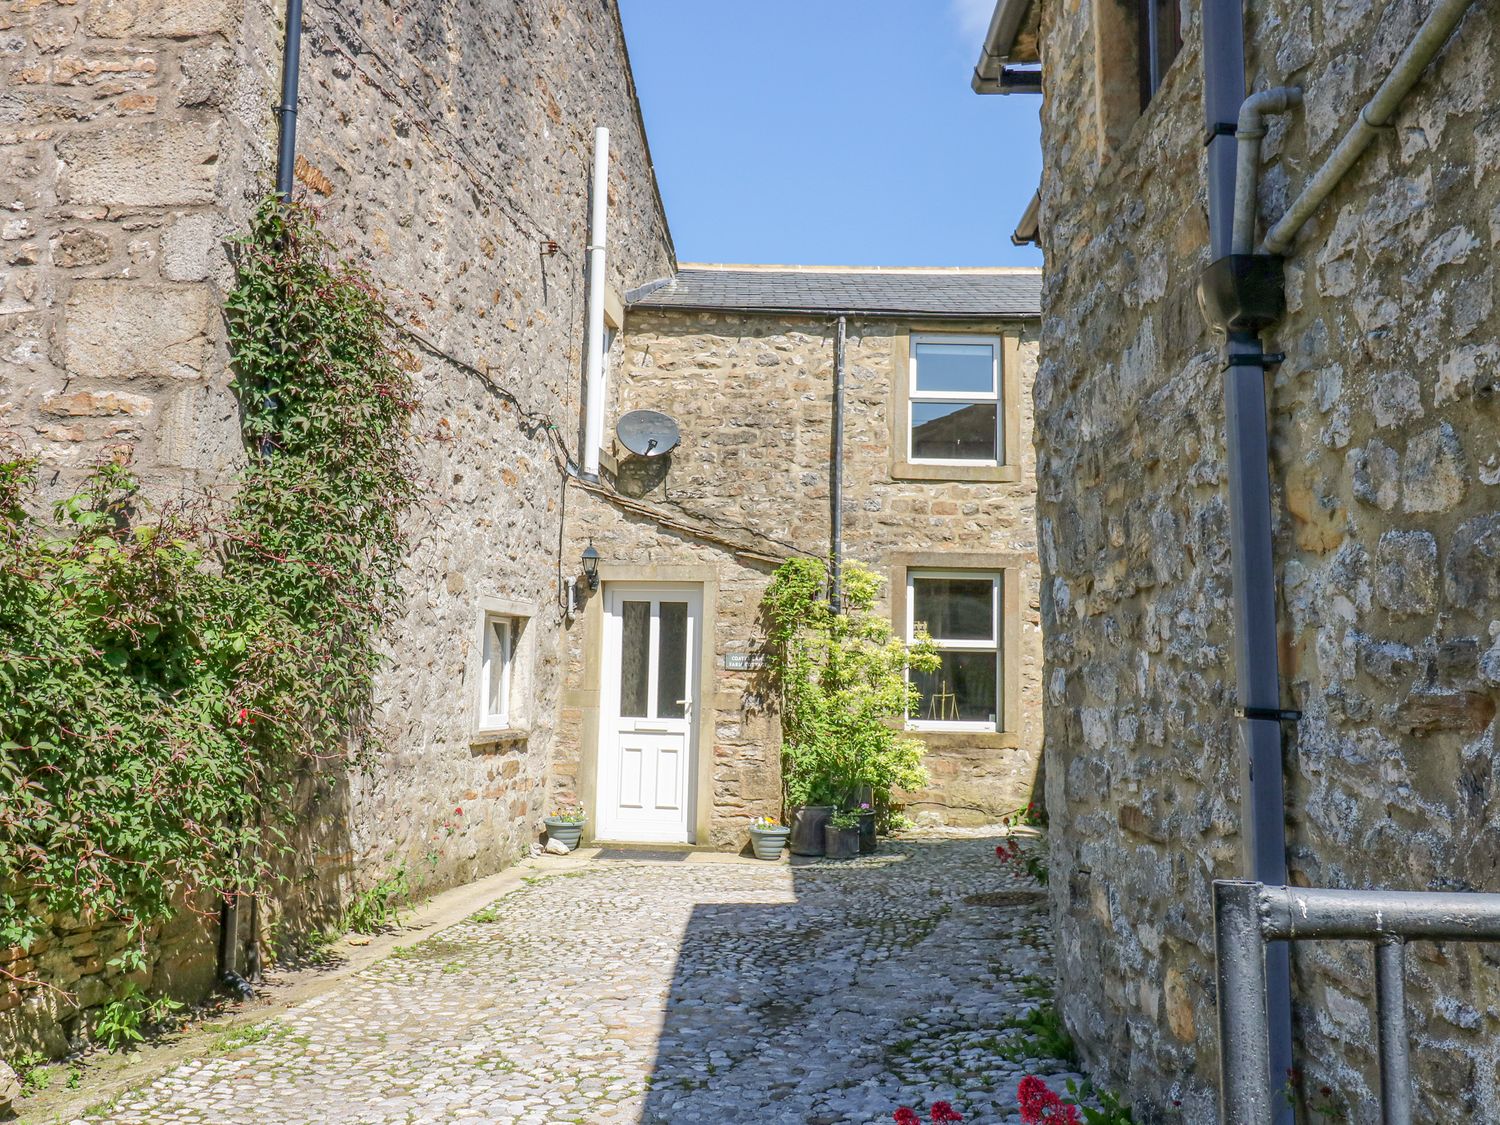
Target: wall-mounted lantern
x=591, y=565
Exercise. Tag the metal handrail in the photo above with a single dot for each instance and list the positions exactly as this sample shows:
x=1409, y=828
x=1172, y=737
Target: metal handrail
x=1248, y=915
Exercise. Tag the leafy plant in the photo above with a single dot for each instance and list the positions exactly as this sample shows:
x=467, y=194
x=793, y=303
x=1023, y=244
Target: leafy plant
x=766, y=824
x=845, y=818
x=31, y=1070
x=1110, y=1110
x=122, y=1022
x=1043, y=1036
x=378, y=907
x=841, y=682
x=167, y=676
x=1029, y=861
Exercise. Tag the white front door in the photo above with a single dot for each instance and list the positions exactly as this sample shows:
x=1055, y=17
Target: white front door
x=648, y=697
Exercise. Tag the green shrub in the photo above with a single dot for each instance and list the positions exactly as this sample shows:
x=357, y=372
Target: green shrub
x=842, y=687
x=166, y=676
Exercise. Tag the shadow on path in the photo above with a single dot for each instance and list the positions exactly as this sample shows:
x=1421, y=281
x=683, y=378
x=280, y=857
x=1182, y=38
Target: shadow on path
x=884, y=982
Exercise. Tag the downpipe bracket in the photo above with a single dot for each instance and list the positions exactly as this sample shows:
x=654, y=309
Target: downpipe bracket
x=1269, y=714
x=1261, y=359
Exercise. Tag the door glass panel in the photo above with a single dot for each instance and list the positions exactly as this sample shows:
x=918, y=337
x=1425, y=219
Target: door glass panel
x=964, y=689
x=954, y=431
x=671, y=671
x=635, y=658
x=955, y=609
x=961, y=368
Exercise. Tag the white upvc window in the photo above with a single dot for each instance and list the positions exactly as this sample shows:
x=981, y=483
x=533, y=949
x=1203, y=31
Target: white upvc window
x=961, y=611
x=954, y=400
x=497, y=660
x=502, y=654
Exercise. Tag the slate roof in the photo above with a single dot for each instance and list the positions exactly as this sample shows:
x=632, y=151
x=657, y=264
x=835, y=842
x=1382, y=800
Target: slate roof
x=934, y=293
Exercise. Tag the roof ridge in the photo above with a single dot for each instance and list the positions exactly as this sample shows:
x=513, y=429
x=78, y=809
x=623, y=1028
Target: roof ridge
x=764, y=267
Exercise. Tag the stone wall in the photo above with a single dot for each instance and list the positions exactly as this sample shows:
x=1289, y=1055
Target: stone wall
x=447, y=144
x=753, y=396
x=1384, y=439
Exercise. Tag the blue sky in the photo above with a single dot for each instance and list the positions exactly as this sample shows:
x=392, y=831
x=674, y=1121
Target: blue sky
x=832, y=132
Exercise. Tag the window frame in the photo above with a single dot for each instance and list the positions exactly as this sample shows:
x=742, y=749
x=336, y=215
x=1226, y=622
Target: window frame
x=490, y=717
x=1007, y=468
x=511, y=721
x=995, y=643
x=914, y=396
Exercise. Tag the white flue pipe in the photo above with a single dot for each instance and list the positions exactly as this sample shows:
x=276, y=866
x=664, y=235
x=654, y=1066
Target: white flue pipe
x=1375, y=116
x=593, y=405
x=1248, y=132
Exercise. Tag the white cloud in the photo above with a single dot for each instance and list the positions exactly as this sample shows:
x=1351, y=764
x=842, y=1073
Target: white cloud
x=972, y=16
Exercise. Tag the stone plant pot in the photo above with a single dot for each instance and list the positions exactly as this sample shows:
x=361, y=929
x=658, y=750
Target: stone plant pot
x=768, y=842
x=841, y=843
x=808, y=823
x=866, y=833
x=566, y=832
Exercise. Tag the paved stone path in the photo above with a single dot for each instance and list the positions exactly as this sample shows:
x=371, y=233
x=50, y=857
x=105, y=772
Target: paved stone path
x=673, y=992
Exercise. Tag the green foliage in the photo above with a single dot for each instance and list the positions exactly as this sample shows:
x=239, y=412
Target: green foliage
x=842, y=686
x=378, y=908
x=124, y=1021
x=31, y=1069
x=1110, y=1111
x=166, y=676
x=1043, y=1036
x=237, y=1037
x=845, y=818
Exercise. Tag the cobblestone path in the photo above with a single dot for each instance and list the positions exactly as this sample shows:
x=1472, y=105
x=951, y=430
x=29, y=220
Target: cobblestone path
x=628, y=991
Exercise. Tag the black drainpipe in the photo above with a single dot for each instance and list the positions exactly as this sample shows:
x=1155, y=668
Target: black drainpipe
x=836, y=475
x=1243, y=295
x=286, y=161
x=291, y=57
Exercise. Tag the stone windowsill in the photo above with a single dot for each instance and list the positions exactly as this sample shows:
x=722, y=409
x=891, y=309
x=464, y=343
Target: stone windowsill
x=493, y=737
x=920, y=470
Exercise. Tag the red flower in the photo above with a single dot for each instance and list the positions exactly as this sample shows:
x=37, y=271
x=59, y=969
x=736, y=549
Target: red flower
x=943, y=1112
x=458, y=812
x=1040, y=1106
x=907, y=1116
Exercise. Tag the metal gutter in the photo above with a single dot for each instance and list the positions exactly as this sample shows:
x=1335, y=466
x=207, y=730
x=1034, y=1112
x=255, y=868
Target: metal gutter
x=864, y=314
x=1028, y=231
x=992, y=75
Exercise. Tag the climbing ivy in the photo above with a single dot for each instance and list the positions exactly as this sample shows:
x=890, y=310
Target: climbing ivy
x=167, y=674
x=840, y=678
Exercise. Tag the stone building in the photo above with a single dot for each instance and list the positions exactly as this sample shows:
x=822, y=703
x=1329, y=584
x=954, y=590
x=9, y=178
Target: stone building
x=1383, y=464
x=447, y=147
x=937, y=496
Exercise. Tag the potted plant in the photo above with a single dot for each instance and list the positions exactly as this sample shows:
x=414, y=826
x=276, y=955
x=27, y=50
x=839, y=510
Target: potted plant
x=808, y=823
x=839, y=676
x=841, y=835
x=866, y=829
x=768, y=836
x=566, y=825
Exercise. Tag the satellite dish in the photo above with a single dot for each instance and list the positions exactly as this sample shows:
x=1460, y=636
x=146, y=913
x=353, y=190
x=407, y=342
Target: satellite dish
x=648, y=433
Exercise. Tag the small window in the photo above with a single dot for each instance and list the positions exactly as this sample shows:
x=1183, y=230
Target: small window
x=495, y=672
x=1158, y=39
x=955, y=401
x=960, y=609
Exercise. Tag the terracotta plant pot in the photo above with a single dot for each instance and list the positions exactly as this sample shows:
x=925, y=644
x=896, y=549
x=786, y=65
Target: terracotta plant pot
x=807, y=829
x=768, y=842
x=565, y=832
x=841, y=843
